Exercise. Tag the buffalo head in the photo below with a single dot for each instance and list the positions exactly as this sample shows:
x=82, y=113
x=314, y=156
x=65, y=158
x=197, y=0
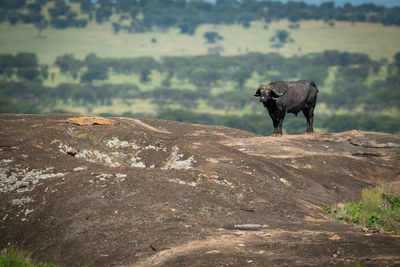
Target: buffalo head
x=266, y=92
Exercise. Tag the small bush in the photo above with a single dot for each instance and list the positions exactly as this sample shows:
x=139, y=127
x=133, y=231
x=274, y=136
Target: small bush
x=358, y=264
x=376, y=210
x=328, y=209
x=372, y=220
x=13, y=257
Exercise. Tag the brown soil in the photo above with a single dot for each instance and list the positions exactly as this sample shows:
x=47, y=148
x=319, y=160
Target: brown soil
x=130, y=192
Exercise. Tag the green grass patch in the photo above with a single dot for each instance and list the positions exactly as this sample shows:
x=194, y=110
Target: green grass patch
x=13, y=257
x=378, y=209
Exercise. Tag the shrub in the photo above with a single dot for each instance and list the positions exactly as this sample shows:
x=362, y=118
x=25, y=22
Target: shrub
x=328, y=209
x=13, y=257
x=377, y=209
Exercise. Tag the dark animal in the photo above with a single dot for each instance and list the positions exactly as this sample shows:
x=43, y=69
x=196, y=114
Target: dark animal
x=288, y=97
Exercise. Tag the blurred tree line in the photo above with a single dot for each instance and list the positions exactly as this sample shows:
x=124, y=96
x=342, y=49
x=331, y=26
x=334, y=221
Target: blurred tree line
x=208, y=70
x=24, y=65
x=22, y=89
x=143, y=15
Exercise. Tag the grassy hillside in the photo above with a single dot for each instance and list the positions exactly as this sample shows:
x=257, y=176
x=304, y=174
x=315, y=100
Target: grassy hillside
x=376, y=40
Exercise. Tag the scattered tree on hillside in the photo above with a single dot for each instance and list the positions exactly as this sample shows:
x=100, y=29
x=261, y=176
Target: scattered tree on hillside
x=95, y=72
x=67, y=63
x=144, y=76
x=41, y=26
x=86, y=6
x=116, y=27
x=96, y=69
x=212, y=37
x=397, y=60
x=280, y=38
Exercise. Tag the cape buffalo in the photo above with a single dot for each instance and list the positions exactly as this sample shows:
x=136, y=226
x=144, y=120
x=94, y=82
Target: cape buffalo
x=288, y=97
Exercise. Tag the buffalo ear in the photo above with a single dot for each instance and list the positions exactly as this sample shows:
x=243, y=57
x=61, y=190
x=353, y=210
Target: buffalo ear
x=258, y=93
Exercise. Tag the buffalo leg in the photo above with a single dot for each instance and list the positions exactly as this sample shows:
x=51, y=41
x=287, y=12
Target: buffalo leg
x=277, y=120
x=275, y=123
x=309, y=114
x=280, y=123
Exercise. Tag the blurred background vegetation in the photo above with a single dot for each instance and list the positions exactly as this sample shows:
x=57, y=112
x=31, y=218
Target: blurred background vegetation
x=201, y=62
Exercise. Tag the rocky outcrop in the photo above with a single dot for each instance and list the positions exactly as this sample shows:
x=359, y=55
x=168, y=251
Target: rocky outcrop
x=119, y=191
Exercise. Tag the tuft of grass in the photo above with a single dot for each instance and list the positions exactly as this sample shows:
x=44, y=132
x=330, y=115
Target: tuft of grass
x=358, y=264
x=13, y=257
x=378, y=209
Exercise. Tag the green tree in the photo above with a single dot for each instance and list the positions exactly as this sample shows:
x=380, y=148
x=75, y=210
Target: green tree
x=116, y=27
x=26, y=60
x=7, y=64
x=241, y=76
x=144, y=76
x=86, y=6
x=103, y=14
x=29, y=73
x=60, y=8
x=282, y=36
x=212, y=37
x=95, y=73
x=68, y=63
x=204, y=77
x=397, y=60
x=97, y=69
x=41, y=26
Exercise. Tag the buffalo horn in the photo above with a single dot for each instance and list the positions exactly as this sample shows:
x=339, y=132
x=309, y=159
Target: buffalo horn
x=273, y=89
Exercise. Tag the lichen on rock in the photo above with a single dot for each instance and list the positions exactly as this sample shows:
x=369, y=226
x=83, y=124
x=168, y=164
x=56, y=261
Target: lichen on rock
x=116, y=143
x=174, y=161
x=19, y=179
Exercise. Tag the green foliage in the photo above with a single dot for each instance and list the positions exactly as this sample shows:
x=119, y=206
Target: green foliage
x=358, y=264
x=377, y=209
x=393, y=201
x=372, y=220
x=144, y=76
x=212, y=37
x=29, y=73
x=16, y=258
x=67, y=63
x=353, y=212
x=327, y=209
x=282, y=35
x=25, y=60
x=95, y=72
x=397, y=60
